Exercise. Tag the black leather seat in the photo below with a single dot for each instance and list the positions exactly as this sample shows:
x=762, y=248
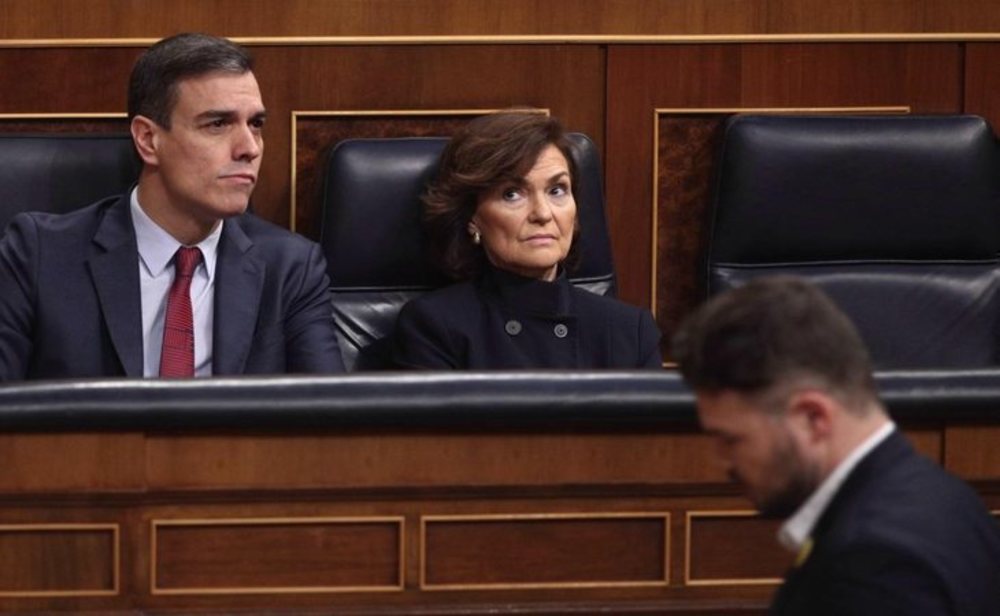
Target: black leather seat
x=60, y=172
x=896, y=217
x=372, y=238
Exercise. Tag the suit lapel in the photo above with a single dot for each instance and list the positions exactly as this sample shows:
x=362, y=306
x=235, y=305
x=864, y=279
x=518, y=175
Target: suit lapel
x=239, y=281
x=114, y=271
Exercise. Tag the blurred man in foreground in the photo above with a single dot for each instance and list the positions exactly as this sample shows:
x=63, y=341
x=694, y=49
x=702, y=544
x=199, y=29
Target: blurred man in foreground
x=784, y=384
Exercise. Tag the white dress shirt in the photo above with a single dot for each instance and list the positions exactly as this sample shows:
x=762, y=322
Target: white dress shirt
x=156, y=275
x=794, y=533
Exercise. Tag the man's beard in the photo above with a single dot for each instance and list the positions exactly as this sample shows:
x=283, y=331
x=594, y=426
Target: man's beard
x=801, y=479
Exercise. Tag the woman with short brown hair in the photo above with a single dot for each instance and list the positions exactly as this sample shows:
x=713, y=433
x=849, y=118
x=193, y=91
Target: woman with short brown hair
x=501, y=218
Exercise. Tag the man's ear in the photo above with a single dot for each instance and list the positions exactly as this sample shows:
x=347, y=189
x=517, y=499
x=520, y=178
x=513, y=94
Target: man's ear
x=812, y=411
x=145, y=136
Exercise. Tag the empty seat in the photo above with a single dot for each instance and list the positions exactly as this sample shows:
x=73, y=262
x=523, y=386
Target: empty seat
x=896, y=217
x=61, y=172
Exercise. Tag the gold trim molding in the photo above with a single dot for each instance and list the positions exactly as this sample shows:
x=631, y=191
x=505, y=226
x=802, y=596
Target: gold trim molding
x=534, y=39
x=115, y=531
x=531, y=517
x=688, y=580
x=399, y=521
x=659, y=111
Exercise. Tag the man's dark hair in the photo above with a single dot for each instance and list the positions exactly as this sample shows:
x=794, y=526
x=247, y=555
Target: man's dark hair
x=769, y=332
x=488, y=151
x=152, y=87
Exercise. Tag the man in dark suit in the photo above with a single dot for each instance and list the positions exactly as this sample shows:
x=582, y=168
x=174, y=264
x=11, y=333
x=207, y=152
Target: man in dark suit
x=784, y=384
x=173, y=278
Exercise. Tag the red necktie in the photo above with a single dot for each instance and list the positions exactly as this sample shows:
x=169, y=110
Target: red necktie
x=177, y=355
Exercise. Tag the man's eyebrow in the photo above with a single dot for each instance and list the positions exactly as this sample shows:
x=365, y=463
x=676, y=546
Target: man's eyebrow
x=216, y=114
x=227, y=114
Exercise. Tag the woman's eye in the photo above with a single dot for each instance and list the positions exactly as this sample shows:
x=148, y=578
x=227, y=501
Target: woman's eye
x=559, y=190
x=511, y=194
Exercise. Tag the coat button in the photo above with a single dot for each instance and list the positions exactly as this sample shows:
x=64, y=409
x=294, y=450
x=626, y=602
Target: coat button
x=513, y=327
x=560, y=330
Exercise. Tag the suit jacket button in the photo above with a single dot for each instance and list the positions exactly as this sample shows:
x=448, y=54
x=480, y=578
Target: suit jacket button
x=560, y=330
x=513, y=327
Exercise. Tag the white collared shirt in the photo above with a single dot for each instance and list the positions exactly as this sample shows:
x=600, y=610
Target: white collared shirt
x=794, y=533
x=156, y=274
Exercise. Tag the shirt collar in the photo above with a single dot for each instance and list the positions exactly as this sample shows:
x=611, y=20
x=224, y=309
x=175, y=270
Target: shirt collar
x=796, y=530
x=157, y=247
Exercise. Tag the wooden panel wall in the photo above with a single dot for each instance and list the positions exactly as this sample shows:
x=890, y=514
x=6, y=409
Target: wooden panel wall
x=649, y=81
x=34, y=19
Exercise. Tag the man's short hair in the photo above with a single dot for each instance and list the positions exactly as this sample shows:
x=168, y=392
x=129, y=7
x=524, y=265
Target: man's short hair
x=152, y=87
x=773, y=331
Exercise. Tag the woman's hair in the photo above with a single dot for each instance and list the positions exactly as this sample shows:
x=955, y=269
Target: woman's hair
x=485, y=153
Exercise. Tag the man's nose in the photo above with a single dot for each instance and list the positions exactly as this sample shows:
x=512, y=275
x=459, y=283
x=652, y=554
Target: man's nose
x=248, y=144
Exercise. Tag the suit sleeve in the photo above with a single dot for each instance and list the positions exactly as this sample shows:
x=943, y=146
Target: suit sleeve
x=18, y=252
x=311, y=337
x=649, y=342
x=422, y=341
x=878, y=582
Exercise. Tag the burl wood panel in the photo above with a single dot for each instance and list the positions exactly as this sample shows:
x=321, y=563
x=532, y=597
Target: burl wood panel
x=544, y=551
x=316, y=135
x=36, y=560
x=686, y=150
x=274, y=556
x=727, y=549
x=925, y=77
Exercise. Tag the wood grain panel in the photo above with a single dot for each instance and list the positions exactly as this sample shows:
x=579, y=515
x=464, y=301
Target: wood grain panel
x=568, y=79
x=982, y=82
x=971, y=452
x=281, y=555
x=60, y=463
x=544, y=551
x=924, y=77
x=50, y=560
x=928, y=441
x=50, y=18
x=733, y=548
x=424, y=460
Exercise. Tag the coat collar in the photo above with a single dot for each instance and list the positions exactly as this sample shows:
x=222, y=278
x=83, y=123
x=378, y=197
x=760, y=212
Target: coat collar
x=529, y=295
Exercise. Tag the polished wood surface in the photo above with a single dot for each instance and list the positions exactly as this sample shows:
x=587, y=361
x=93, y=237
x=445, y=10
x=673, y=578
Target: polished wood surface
x=550, y=520
x=41, y=19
